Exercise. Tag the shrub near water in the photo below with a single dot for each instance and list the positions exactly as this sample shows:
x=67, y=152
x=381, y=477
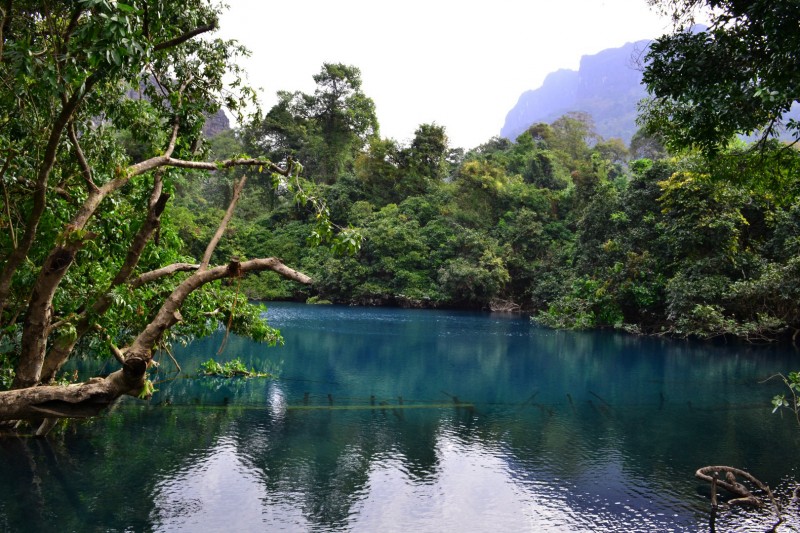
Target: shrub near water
x=232, y=368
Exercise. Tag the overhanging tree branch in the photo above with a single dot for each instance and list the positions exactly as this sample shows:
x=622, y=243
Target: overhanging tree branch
x=34, y=339
x=228, y=163
x=54, y=268
x=162, y=272
x=186, y=36
x=90, y=398
x=169, y=313
x=62, y=348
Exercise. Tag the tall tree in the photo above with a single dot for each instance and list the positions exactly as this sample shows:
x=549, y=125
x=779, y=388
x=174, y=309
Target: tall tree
x=81, y=252
x=328, y=128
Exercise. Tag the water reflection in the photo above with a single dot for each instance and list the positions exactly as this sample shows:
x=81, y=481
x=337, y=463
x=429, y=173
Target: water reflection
x=217, y=492
x=398, y=420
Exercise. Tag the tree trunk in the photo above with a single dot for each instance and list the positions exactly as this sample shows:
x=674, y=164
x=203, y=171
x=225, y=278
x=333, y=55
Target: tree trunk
x=40, y=191
x=61, y=349
x=73, y=401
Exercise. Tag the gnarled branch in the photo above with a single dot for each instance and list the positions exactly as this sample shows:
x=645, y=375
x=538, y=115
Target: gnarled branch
x=90, y=398
x=169, y=313
x=168, y=270
x=60, y=350
x=228, y=163
x=730, y=484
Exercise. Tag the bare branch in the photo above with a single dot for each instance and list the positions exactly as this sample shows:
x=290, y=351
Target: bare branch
x=6, y=164
x=228, y=163
x=186, y=36
x=156, y=206
x=162, y=160
x=73, y=23
x=85, y=168
x=95, y=197
x=744, y=496
x=73, y=401
x=118, y=355
x=212, y=244
x=168, y=270
x=183, y=87
x=60, y=351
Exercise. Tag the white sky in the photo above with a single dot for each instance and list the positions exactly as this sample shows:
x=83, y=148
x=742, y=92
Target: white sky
x=461, y=64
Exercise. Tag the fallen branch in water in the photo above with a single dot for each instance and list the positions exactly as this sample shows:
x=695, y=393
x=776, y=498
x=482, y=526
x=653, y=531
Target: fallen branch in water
x=732, y=485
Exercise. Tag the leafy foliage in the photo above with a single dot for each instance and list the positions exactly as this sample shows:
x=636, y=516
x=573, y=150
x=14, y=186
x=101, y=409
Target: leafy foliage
x=101, y=122
x=230, y=369
x=738, y=76
x=780, y=401
x=325, y=129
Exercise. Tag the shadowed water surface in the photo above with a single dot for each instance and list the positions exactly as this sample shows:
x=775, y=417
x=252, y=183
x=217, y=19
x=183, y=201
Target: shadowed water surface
x=403, y=420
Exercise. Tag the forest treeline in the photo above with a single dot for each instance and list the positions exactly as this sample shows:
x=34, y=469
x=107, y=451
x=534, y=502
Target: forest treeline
x=123, y=230
x=579, y=231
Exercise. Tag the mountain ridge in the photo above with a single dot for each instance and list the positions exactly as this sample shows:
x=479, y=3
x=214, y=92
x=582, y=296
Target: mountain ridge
x=607, y=85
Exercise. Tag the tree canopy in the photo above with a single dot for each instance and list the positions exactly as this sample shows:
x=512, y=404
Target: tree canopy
x=326, y=129
x=739, y=76
x=101, y=118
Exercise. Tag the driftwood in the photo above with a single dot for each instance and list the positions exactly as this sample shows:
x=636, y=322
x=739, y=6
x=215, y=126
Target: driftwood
x=725, y=477
x=504, y=306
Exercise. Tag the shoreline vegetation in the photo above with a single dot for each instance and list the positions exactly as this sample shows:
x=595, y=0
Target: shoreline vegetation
x=578, y=231
x=126, y=234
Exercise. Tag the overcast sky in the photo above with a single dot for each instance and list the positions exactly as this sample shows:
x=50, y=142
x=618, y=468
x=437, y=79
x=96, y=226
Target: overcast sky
x=461, y=64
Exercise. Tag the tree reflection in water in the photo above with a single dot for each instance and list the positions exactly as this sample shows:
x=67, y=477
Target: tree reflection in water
x=554, y=431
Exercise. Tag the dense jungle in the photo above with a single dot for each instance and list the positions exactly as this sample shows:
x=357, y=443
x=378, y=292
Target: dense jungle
x=126, y=228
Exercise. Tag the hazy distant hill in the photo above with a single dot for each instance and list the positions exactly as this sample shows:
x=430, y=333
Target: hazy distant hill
x=216, y=123
x=607, y=85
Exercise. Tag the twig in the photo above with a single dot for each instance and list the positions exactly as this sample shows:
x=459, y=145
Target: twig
x=230, y=317
x=600, y=398
x=8, y=203
x=169, y=353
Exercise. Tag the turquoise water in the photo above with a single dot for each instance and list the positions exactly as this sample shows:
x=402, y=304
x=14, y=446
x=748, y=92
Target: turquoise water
x=405, y=420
